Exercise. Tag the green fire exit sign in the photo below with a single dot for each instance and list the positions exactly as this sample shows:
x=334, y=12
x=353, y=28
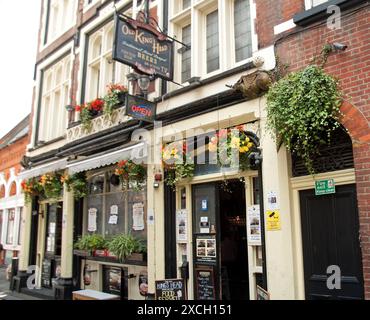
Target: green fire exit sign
x=323, y=187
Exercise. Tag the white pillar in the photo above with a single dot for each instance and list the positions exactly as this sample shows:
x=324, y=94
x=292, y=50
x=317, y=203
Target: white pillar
x=67, y=234
x=26, y=235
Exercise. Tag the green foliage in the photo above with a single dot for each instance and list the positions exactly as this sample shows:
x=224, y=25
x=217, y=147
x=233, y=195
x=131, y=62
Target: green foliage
x=304, y=107
x=78, y=184
x=178, y=172
x=91, y=242
x=124, y=245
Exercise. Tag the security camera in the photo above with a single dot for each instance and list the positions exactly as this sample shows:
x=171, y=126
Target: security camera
x=339, y=46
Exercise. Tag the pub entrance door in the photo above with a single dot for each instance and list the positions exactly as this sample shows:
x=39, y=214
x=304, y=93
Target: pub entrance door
x=220, y=241
x=330, y=234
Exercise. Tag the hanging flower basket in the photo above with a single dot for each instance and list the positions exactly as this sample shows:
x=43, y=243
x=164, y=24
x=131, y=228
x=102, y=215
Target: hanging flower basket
x=131, y=174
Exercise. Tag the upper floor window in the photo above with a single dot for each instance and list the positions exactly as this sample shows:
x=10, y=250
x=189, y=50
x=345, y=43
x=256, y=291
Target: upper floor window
x=60, y=16
x=218, y=32
x=101, y=69
x=55, y=96
x=313, y=3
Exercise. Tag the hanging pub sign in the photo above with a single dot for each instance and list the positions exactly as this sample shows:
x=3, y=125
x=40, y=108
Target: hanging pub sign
x=140, y=108
x=141, y=46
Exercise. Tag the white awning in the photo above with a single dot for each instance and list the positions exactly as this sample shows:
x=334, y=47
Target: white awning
x=132, y=152
x=43, y=169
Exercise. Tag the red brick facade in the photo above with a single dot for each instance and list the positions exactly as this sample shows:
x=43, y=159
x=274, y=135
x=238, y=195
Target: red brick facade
x=352, y=67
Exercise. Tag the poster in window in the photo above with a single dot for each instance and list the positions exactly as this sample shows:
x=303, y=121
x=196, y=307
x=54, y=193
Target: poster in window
x=138, y=216
x=254, y=225
x=182, y=225
x=113, y=220
x=92, y=225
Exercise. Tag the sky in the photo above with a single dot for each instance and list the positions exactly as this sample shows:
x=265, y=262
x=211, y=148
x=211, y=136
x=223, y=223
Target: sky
x=19, y=23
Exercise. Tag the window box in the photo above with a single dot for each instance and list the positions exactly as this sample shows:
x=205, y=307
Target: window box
x=140, y=257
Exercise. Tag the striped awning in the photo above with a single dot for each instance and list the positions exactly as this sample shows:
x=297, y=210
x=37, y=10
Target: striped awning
x=136, y=151
x=43, y=169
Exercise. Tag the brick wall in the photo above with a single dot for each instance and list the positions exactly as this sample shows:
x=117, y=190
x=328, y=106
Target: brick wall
x=11, y=156
x=352, y=68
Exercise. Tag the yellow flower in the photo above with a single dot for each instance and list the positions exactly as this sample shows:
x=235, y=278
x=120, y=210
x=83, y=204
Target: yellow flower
x=235, y=142
x=250, y=145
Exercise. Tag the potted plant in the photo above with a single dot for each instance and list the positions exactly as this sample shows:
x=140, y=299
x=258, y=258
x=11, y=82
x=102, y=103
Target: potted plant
x=131, y=173
x=177, y=163
x=127, y=247
x=88, y=244
x=76, y=183
x=52, y=185
x=90, y=110
x=31, y=188
x=116, y=95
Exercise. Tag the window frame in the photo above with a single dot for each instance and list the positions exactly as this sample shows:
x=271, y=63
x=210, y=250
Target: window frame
x=309, y=4
x=102, y=228
x=196, y=16
x=44, y=132
x=47, y=23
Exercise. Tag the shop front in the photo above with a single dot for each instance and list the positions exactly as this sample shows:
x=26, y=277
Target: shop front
x=110, y=238
x=218, y=221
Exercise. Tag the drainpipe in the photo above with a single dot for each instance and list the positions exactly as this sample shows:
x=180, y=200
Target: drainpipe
x=147, y=11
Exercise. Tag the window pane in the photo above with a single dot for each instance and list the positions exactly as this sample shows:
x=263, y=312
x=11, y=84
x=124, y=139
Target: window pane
x=213, y=57
x=10, y=229
x=186, y=4
x=242, y=26
x=186, y=54
x=20, y=232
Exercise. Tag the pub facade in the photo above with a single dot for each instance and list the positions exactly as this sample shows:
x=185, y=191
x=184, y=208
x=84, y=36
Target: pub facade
x=188, y=184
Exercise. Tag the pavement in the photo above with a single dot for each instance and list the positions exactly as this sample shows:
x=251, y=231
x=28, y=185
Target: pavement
x=6, y=294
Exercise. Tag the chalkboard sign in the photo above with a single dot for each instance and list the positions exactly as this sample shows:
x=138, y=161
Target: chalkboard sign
x=142, y=47
x=46, y=273
x=140, y=108
x=170, y=289
x=205, y=286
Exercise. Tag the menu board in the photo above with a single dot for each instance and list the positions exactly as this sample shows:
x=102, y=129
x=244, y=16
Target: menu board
x=170, y=289
x=205, y=286
x=46, y=273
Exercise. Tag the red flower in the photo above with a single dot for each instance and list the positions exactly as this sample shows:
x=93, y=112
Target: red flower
x=23, y=184
x=122, y=163
x=97, y=105
x=78, y=108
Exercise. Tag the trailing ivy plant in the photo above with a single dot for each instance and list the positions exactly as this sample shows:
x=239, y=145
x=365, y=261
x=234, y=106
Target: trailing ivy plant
x=303, y=111
x=78, y=184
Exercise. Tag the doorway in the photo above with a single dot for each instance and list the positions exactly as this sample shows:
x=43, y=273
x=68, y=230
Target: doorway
x=233, y=244
x=220, y=241
x=330, y=237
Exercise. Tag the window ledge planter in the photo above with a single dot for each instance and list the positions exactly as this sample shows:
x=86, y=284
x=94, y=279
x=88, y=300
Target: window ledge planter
x=100, y=253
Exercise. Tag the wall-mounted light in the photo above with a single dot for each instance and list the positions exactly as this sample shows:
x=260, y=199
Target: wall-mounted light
x=336, y=46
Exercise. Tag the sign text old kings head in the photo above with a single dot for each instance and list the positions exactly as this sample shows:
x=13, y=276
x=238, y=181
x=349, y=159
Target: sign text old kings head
x=143, y=47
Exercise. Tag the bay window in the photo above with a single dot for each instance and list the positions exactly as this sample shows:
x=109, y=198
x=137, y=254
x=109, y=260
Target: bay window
x=55, y=96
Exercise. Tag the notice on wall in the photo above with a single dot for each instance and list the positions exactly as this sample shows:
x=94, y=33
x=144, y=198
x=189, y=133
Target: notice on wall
x=138, y=217
x=272, y=203
x=113, y=220
x=254, y=225
x=206, y=252
x=92, y=217
x=204, y=225
x=114, y=210
x=182, y=225
x=273, y=222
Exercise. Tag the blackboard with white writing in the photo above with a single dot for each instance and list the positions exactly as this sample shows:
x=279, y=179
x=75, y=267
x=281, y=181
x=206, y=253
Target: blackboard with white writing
x=205, y=286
